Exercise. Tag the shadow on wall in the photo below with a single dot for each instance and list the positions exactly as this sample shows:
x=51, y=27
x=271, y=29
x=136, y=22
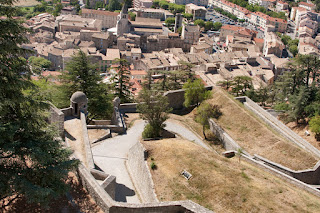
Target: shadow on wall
x=122, y=191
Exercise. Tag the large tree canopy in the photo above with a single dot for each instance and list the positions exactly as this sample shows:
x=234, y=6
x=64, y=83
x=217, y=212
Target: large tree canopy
x=33, y=163
x=83, y=76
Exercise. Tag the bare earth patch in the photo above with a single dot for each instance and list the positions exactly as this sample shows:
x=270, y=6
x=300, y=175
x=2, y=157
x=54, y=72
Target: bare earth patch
x=300, y=130
x=95, y=134
x=221, y=184
x=81, y=201
x=256, y=138
x=26, y=3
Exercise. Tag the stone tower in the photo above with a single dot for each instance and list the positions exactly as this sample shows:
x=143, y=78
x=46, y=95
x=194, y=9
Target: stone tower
x=178, y=22
x=123, y=24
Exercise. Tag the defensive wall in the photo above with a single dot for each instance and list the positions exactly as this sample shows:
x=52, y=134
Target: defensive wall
x=56, y=118
x=104, y=193
x=277, y=125
x=139, y=172
x=302, y=178
x=175, y=100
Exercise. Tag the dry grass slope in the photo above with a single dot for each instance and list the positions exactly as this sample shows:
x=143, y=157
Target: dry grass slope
x=256, y=138
x=220, y=184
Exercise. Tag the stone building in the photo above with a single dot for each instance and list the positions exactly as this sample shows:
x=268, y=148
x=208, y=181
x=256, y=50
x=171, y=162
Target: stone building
x=76, y=23
x=68, y=10
x=142, y=3
x=152, y=13
x=196, y=2
x=198, y=12
x=190, y=33
x=272, y=45
x=109, y=19
x=236, y=31
x=123, y=24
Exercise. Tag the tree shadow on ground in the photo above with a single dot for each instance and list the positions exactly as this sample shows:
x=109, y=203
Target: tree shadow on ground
x=183, y=111
x=69, y=136
x=122, y=192
x=78, y=200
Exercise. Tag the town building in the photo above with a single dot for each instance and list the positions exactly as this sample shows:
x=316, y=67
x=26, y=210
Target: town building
x=281, y=6
x=152, y=13
x=198, y=12
x=236, y=31
x=142, y=3
x=68, y=10
x=196, y=2
x=307, y=5
x=76, y=23
x=109, y=19
x=272, y=45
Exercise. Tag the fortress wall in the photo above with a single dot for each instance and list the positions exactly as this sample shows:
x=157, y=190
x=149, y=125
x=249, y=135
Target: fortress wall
x=227, y=141
x=277, y=125
x=282, y=175
x=138, y=169
x=57, y=118
x=86, y=141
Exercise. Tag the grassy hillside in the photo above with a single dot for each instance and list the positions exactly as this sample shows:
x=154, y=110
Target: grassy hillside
x=221, y=184
x=256, y=138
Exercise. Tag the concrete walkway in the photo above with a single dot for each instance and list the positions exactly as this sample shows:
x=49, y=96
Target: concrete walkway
x=111, y=155
x=184, y=132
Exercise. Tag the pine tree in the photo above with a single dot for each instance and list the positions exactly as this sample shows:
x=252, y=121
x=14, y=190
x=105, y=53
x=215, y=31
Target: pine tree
x=83, y=76
x=33, y=162
x=121, y=80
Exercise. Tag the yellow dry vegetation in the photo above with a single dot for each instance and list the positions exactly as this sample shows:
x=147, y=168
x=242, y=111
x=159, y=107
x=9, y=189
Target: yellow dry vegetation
x=221, y=184
x=26, y=3
x=256, y=138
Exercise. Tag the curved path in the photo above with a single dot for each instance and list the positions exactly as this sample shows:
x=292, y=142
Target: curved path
x=111, y=155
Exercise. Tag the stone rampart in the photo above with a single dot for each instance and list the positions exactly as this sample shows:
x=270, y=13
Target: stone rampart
x=175, y=100
x=138, y=169
x=107, y=204
x=227, y=141
x=282, y=175
x=86, y=141
x=56, y=118
x=67, y=111
x=277, y=125
x=308, y=176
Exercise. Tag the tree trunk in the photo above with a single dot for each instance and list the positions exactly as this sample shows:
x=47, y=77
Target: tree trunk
x=204, y=132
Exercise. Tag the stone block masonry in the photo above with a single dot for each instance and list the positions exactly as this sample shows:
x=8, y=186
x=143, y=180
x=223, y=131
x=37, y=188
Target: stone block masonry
x=140, y=174
x=86, y=141
x=57, y=118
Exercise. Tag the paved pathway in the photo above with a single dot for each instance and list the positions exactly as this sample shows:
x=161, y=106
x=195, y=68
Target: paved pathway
x=184, y=132
x=111, y=155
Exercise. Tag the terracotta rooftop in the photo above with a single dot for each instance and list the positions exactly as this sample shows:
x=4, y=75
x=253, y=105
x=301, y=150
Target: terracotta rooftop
x=306, y=4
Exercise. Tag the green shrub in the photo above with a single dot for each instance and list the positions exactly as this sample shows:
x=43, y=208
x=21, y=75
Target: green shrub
x=150, y=132
x=153, y=166
x=282, y=106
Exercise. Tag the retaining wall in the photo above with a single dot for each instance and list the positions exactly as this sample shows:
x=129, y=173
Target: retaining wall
x=86, y=141
x=175, y=100
x=138, y=169
x=57, y=119
x=277, y=125
x=67, y=111
x=308, y=176
x=107, y=204
x=282, y=175
x=227, y=141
